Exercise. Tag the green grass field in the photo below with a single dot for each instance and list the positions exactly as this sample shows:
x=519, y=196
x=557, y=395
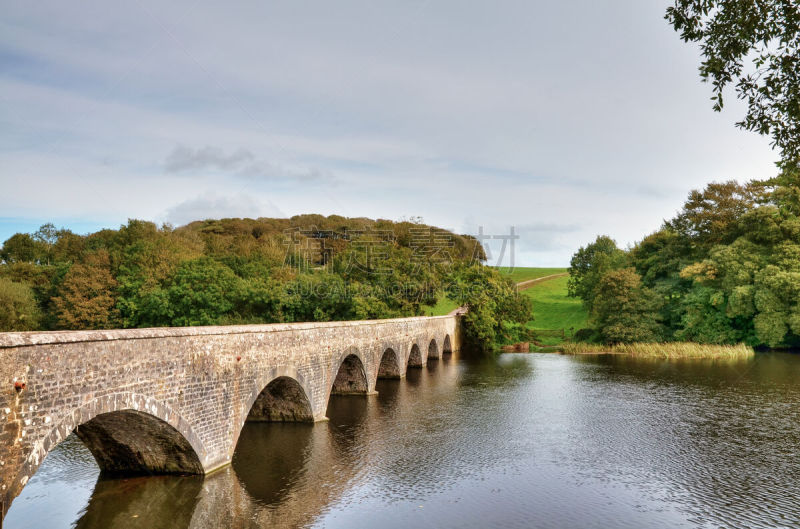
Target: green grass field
x=443, y=307
x=552, y=309
x=519, y=274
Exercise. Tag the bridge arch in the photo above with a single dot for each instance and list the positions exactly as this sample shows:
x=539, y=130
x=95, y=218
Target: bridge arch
x=277, y=392
x=351, y=374
x=414, y=356
x=447, y=346
x=433, y=350
x=283, y=399
x=390, y=365
x=127, y=433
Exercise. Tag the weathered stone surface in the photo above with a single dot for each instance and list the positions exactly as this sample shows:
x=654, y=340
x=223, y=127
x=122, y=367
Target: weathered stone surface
x=190, y=389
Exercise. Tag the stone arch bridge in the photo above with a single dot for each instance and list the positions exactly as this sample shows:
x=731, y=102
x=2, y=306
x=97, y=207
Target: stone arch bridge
x=174, y=400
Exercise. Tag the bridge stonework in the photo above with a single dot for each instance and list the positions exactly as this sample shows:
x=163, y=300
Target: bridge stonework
x=174, y=400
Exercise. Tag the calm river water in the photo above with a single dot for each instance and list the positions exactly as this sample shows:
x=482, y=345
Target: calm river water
x=519, y=441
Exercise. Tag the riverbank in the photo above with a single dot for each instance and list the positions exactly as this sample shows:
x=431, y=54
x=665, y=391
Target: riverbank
x=661, y=350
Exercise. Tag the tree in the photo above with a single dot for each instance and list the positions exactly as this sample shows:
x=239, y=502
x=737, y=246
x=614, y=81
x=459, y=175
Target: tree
x=624, y=311
x=46, y=238
x=711, y=216
x=87, y=297
x=201, y=292
x=495, y=306
x=18, y=308
x=19, y=248
x=589, y=264
x=755, y=45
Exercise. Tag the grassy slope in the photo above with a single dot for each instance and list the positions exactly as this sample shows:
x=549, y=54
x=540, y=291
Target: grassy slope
x=551, y=306
x=519, y=274
x=552, y=309
x=444, y=306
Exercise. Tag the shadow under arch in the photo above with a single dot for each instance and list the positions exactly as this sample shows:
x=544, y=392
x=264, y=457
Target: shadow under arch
x=127, y=434
x=351, y=376
x=447, y=346
x=390, y=365
x=414, y=356
x=282, y=400
x=433, y=351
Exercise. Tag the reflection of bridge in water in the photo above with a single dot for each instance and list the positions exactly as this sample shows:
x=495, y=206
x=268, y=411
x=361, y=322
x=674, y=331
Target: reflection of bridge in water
x=283, y=474
x=174, y=401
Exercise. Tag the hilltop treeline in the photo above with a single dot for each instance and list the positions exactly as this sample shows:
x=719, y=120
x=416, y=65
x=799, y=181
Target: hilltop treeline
x=725, y=270
x=241, y=271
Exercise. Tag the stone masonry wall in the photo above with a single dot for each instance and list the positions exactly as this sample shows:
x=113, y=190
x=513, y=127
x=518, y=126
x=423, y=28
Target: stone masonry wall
x=201, y=381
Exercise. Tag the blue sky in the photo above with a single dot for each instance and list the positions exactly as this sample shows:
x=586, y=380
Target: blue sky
x=563, y=119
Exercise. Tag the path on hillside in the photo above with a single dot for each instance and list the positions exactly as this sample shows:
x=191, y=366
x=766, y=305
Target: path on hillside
x=524, y=285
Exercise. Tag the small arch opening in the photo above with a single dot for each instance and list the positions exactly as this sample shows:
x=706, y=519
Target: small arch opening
x=390, y=365
x=415, y=357
x=433, y=351
x=447, y=347
x=283, y=400
x=351, y=379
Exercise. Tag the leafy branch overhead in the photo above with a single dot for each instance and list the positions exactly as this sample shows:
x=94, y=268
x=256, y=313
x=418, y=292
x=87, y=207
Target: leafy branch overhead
x=754, y=46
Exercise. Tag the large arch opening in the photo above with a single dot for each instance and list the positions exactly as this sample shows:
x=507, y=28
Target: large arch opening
x=283, y=400
x=433, y=351
x=390, y=365
x=130, y=442
x=415, y=357
x=447, y=346
x=113, y=439
x=351, y=379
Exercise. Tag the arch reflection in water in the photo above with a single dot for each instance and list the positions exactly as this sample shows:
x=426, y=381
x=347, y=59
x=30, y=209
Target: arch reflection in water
x=151, y=502
x=271, y=459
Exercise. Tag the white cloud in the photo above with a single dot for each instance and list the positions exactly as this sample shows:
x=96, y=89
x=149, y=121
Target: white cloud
x=213, y=206
x=240, y=162
x=184, y=159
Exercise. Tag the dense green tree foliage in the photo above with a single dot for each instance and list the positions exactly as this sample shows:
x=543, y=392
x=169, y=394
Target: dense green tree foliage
x=497, y=311
x=18, y=309
x=726, y=269
x=589, y=264
x=231, y=271
x=623, y=310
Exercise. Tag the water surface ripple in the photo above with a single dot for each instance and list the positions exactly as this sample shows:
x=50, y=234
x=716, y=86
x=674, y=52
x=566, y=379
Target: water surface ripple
x=543, y=441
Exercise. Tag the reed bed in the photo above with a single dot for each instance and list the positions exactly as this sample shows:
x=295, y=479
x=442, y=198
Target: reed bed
x=662, y=350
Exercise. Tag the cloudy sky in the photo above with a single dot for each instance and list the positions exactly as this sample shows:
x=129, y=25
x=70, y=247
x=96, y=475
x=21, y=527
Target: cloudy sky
x=562, y=119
